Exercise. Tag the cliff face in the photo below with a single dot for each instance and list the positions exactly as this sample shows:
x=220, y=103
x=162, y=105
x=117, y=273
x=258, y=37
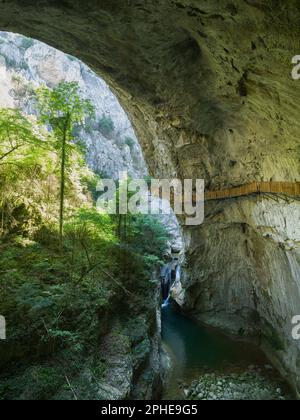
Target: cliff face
x=209, y=90
x=207, y=84
x=243, y=274
x=110, y=140
x=111, y=143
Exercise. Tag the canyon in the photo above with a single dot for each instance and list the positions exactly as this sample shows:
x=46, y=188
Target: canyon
x=208, y=89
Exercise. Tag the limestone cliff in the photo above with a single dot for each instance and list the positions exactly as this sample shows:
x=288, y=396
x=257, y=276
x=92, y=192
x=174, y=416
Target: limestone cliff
x=209, y=90
x=243, y=274
x=110, y=141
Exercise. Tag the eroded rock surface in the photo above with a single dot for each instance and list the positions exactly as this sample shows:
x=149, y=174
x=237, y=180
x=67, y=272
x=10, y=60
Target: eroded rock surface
x=110, y=141
x=243, y=274
x=207, y=84
x=209, y=90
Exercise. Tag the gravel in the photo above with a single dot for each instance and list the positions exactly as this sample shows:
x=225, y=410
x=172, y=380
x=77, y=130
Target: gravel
x=250, y=385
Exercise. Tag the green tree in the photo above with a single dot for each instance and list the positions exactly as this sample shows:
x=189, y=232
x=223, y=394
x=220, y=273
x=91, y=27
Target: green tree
x=64, y=110
x=130, y=142
x=16, y=132
x=26, y=155
x=106, y=126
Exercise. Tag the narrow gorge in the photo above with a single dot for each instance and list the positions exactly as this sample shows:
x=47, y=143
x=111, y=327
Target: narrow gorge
x=208, y=92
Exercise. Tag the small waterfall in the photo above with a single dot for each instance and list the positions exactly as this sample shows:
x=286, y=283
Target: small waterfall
x=169, y=274
x=166, y=279
x=178, y=273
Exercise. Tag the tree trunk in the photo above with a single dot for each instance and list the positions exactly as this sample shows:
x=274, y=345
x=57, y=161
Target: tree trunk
x=62, y=188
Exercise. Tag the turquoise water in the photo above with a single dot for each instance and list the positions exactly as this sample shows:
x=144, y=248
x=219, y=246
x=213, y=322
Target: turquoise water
x=195, y=349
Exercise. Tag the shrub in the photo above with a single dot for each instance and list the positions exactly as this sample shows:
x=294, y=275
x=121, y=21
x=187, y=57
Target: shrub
x=59, y=300
x=27, y=43
x=106, y=126
x=130, y=142
x=148, y=236
x=11, y=63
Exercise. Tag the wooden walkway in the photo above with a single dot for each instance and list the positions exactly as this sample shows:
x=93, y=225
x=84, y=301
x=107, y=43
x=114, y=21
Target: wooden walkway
x=291, y=189
x=286, y=189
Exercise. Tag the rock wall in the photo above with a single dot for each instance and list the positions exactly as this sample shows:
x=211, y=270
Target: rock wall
x=131, y=352
x=207, y=85
x=243, y=274
x=26, y=63
x=209, y=90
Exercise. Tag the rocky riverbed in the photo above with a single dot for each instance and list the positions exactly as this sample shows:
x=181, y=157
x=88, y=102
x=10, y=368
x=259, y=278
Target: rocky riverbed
x=252, y=385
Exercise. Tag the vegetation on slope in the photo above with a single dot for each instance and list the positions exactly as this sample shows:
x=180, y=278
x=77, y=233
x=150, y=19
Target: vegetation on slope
x=59, y=298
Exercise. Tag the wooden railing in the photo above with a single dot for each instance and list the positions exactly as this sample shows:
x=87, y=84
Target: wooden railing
x=286, y=188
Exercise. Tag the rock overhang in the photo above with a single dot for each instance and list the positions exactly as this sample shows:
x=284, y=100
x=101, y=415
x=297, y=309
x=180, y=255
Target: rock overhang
x=207, y=85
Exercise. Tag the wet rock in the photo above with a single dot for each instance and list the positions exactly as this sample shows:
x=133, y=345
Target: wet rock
x=238, y=386
x=186, y=392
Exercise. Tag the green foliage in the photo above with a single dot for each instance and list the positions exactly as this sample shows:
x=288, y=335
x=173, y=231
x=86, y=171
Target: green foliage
x=130, y=142
x=106, y=126
x=35, y=382
x=16, y=132
x=57, y=304
x=142, y=235
x=64, y=110
x=43, y=299
x=11, y=63
x=23, y=90
x=25, y=161
x=29, y=175
x=27, y=43
x=147, y=236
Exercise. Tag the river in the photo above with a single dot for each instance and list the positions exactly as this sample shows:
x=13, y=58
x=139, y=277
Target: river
x=195, y=350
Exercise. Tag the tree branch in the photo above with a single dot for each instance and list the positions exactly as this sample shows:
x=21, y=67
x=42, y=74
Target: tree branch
x=18, y=146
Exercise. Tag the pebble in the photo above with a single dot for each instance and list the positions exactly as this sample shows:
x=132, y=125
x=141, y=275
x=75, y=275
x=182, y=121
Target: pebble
x=249, y=385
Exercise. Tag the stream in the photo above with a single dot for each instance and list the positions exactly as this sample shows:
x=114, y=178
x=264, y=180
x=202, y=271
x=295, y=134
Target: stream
x=196, y=350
